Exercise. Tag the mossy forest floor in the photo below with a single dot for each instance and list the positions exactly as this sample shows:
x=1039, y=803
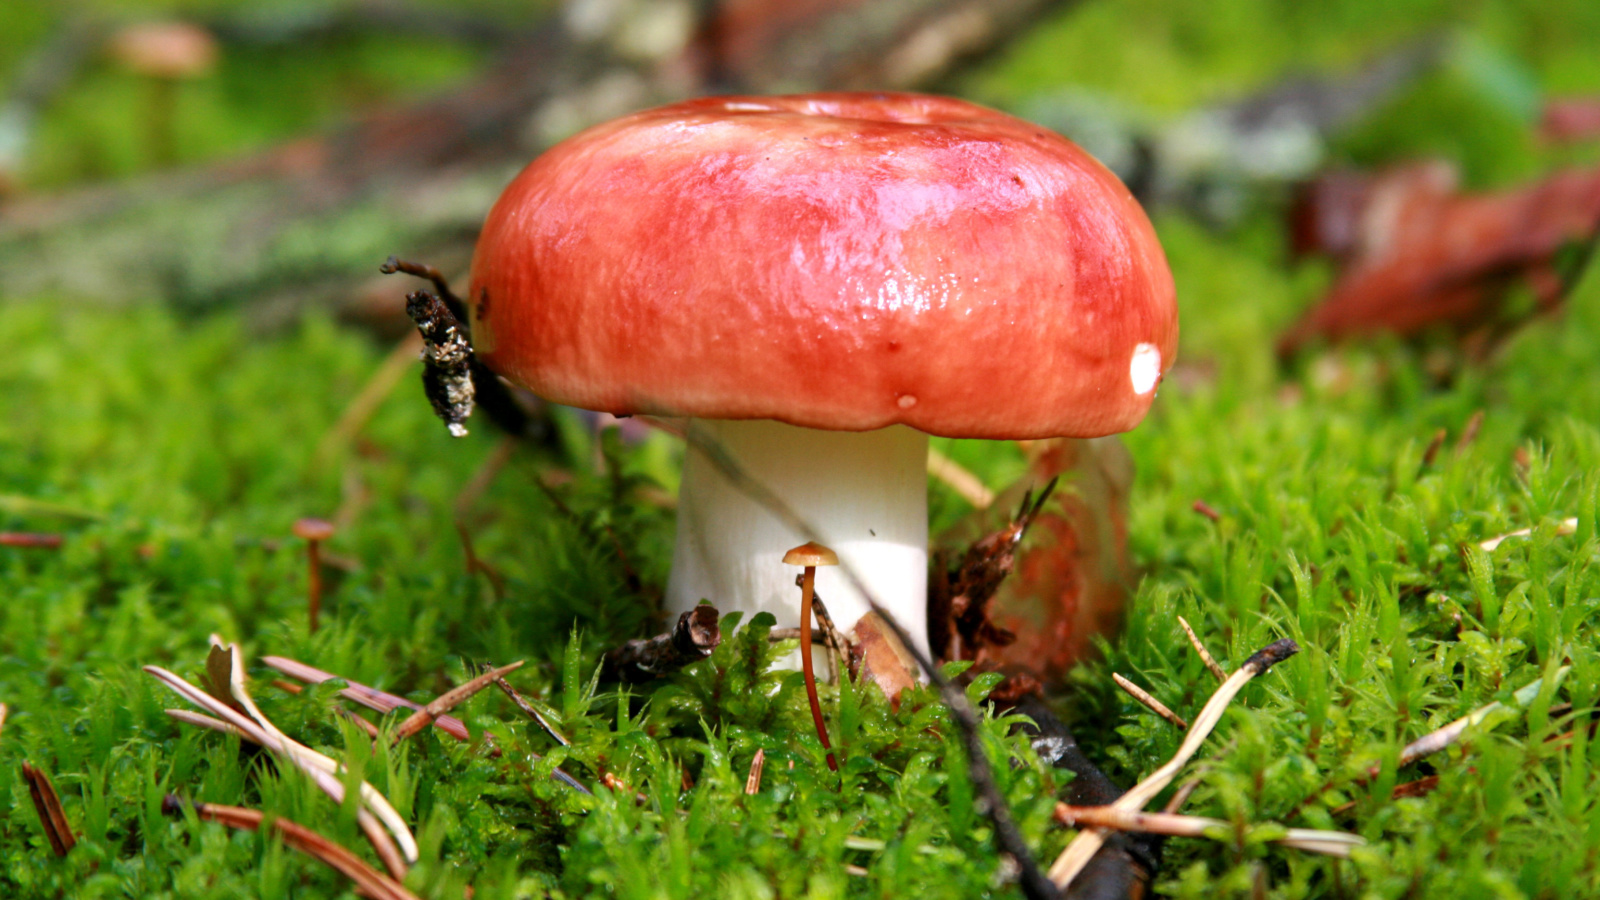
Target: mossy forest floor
x=172, y=455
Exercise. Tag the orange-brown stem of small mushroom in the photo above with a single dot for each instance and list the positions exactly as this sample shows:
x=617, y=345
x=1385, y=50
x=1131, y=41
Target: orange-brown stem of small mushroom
x=314, y=531
x=812, y=555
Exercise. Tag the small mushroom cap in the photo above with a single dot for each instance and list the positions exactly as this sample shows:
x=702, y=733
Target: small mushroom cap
x=313, y=529
x=837, y=261
x=811, y=553
x=165, y=49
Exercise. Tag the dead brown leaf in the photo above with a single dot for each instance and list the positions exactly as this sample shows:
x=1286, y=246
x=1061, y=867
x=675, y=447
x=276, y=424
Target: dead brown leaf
x=1416, y=253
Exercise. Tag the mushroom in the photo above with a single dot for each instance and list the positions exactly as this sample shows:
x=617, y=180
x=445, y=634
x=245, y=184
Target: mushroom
x=166, y=53
x=825, y=280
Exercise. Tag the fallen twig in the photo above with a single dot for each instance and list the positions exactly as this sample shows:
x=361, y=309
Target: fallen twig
x=1200, y=649
x=373, y=801
x=1151, y=703
x=1330, y=843
x=1564, y=527
x=532, y=712
x=18, y=505
x=448, y=700
x=1435, y=741
x=1418, y=788
x=1083, y=847
x=32, y=540
x=1440, y=738
x=368, y=880
x=371, y=698
x=967, y=485
x=322, y=770
x=380, y=384
x=48, y=804
x=692, y=639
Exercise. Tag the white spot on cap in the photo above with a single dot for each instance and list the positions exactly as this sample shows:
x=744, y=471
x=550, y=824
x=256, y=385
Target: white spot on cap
x=906, y=401
x=1145, y=368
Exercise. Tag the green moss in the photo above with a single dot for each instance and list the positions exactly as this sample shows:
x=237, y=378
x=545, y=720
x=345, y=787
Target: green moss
x=173, y=453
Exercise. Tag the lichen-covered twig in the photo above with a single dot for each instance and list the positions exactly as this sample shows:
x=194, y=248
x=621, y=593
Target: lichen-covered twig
x=692, y=639
x=1083, y=847
x=446, y=360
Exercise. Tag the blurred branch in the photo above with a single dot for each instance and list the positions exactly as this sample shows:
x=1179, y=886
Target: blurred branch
x=291, y=228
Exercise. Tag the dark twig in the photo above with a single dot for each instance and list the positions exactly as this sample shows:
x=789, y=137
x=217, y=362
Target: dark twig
x=394, y=264
x=1126, y=864
x=692, y=639
x=48, y=804
x=532, y=712
x=1033, y=881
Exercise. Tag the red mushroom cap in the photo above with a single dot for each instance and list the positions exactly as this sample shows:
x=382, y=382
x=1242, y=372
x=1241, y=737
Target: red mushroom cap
x=836, y=261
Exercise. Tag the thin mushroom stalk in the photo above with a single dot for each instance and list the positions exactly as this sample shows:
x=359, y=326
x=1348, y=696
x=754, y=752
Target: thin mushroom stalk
x=811, y=555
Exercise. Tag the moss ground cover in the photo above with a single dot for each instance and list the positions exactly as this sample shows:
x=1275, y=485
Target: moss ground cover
x=172, y=455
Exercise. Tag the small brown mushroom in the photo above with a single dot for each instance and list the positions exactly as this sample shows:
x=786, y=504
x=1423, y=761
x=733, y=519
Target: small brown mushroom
x=314, y=532
x=165, y=53
x=812, y=554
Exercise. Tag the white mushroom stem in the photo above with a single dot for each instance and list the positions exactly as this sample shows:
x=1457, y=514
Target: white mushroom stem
x=865, y=492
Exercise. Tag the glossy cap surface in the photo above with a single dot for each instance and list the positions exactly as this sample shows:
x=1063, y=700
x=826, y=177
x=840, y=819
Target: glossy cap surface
x=837, y=261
